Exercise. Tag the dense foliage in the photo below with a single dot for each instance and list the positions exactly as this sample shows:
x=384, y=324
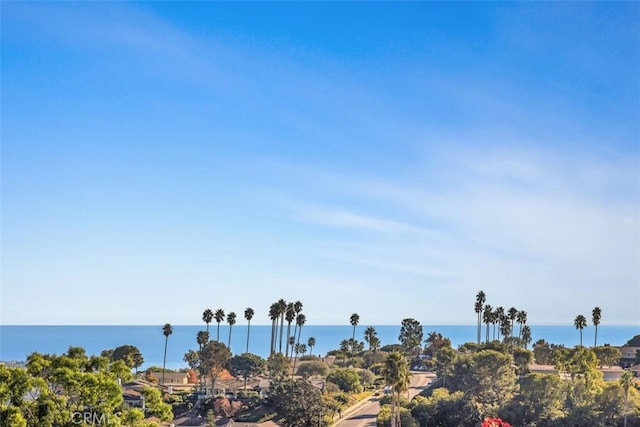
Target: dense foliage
x=64, y=390
x=493, y=381
x=298, y=403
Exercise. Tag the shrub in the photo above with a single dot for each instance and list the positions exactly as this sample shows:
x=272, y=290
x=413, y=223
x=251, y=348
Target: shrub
x=308, y=358
x=386, y=400
x=330, y=387
x=315, y=367
x=347, y=379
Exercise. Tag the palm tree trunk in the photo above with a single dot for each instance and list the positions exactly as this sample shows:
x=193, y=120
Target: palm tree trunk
x=164, y=359
x=520, y=331
x=626, y=406
x=393, y=410
x=595, y=339
x=295, y=361
x=287, y=347
x=248, y=330
x=281, y=331
x=295, y=329
x=273, y=337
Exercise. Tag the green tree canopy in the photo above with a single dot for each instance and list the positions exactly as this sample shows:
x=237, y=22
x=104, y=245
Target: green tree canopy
x=312, y=367
x=299, y=403
x=444, y=409
x=542, y=352
x=410, y=335
x=213, y=359
x=155, y=405
x=607, y=355
x=347, y=379
x=490, y=381
x=522, y=359
x=129, y=354
x=540, y=401
x=278, y=365
x=246, y=365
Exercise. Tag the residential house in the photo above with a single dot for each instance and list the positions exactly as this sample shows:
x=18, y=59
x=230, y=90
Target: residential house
x=611, y=373
x=628, y=356
x=133, y=398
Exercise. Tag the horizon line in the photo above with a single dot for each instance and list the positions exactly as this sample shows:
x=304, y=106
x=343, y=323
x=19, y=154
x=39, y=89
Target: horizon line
x=307, y=325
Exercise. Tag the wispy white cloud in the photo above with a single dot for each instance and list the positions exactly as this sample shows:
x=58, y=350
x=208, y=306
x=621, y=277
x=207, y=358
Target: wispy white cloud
x=429, y=195
x=534, y=228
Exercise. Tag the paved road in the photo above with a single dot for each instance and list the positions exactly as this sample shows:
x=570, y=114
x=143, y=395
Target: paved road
x=364, y=414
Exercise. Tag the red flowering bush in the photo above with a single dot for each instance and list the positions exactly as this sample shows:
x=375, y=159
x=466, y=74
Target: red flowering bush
x=495, y=422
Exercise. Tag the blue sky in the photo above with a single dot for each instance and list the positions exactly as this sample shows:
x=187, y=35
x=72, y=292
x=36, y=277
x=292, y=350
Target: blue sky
x=389, y=159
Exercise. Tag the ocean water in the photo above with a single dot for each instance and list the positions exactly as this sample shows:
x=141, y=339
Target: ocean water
x=17, y=342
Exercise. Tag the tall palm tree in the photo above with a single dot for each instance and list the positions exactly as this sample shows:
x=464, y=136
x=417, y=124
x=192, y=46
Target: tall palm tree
x=437, y=341
x=219, y=316
x=369, y=334
x=521, y=318
x=525, y=335
x=396, y=375
x=202, y=338
x=354, y=320
x=282, y=309
x=291, y=342
x=297, y=307
x=512, y=314
x=626, y=381
x=273, y=315
x=580, y=322
x=374, y=346
x=487, y=317
x=231, y=320
x=505, y=327
x=311, y=342
x=207, y=317
x=596, y=315
x=301, y=319
x=289, y=315
x=248, y=314
x=167, y=330
x=497, y=318
x=481, y=298
x=297, y=349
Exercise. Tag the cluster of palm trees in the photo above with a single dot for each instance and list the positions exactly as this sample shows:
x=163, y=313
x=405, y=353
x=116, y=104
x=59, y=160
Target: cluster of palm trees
x=505, y=319
x=280, y=312
x=209, y=315
x=371, y=337
x=580, y=322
